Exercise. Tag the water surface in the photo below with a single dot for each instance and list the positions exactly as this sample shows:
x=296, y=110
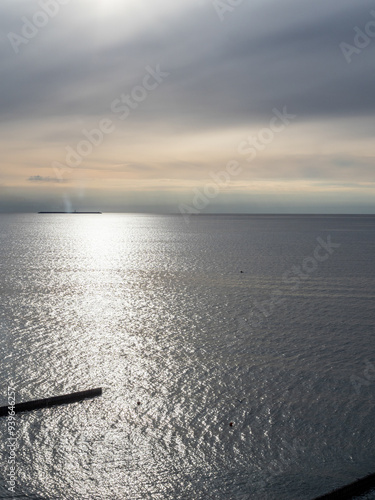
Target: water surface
x=157, y=312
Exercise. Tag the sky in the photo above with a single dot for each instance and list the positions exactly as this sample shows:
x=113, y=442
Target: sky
x=195, y=106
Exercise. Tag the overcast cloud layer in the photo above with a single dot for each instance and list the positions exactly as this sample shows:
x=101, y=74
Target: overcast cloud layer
x=224, y=78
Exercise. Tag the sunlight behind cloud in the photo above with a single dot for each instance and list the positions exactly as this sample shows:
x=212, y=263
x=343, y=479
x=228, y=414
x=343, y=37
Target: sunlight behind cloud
x=140, y=12
x=108, y=22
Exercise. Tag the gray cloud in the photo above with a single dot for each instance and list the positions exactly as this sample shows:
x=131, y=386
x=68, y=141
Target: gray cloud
x=39, y=178
x=221, y=73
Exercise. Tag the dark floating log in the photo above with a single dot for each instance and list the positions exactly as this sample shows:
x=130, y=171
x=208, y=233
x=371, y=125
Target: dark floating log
x=54, y=401
x=351, y=490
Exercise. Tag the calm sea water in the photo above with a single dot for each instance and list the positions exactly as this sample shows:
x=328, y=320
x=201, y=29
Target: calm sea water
x=157, y=311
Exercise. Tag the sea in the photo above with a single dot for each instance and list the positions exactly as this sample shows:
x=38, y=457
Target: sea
x=236, y=354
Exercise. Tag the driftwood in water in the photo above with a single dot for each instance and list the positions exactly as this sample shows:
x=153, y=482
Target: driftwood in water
x=47, y=402
x=351, y=490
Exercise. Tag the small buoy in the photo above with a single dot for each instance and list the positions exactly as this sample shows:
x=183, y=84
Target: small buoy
x=231, y=424
x=241, y=271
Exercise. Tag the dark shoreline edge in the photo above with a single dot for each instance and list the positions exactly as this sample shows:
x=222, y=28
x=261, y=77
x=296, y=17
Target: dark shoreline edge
x=352, y=490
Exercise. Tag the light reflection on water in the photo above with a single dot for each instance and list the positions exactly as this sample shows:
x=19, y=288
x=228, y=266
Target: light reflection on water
x=146, y=307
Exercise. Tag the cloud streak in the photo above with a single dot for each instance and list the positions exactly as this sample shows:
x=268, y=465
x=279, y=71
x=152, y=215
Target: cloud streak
x=39, y=178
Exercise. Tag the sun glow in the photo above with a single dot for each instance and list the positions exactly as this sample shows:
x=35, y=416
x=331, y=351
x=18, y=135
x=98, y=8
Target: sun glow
x=108, y=7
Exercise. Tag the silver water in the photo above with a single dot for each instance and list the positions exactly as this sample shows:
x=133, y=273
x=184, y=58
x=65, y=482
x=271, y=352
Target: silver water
x=216, y=383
